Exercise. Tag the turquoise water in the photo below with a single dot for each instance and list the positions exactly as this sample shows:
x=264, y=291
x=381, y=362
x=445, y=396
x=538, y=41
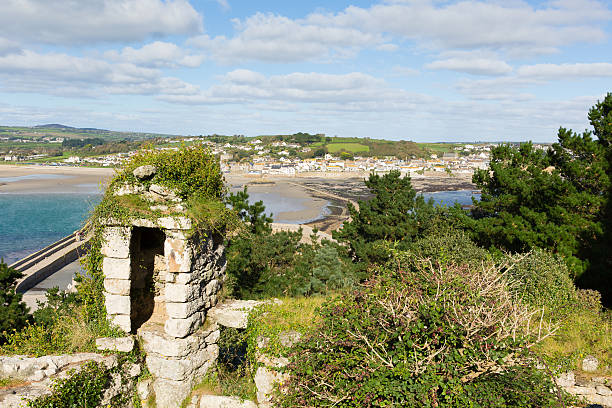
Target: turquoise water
x=29, y=222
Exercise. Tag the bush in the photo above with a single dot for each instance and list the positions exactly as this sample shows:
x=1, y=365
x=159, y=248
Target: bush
x=13, y=312
x=543, y=281
x=189, y=170
x=421, y=335
x=449, y=247
x=82, y=389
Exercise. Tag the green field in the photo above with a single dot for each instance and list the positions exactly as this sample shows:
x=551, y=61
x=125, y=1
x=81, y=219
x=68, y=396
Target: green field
x=439, y=147
x=349, y=147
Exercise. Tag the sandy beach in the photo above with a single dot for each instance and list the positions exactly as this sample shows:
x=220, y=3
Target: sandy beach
x=51, y=179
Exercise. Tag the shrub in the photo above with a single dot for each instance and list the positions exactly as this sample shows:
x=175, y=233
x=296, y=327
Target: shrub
x=421, y=335
x=188, y=170
x=13, y=312
x=543, y=280
x=449, y=247
x=81, y=389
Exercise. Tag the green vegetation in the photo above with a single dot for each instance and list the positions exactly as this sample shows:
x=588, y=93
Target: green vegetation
x=82, y=389
x=13, y=312
x=417, y=335
x=349, y=147
x=558, y=200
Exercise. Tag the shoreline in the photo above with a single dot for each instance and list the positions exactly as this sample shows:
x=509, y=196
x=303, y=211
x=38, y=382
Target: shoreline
x=323, y=197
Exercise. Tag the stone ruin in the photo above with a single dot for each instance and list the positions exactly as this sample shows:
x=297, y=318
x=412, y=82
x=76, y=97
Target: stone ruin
x=160, y=279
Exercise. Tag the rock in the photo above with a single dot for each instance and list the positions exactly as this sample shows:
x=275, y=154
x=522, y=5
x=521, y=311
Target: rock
x=289, y=338
x=128, y=189
x=233, y=313
x=144, y=172
x=170, y=394
x=161, y=193
x=144, y=388
x=603, y=390
x=117, y=286
x=116, y=268
x=116, y=304
x=578, y=390
x=566, y=379
x=217, y=401
x=589, y=364
x=265, y=380
x=183, y=327
x=159, y=208
x=123, y=344
x=116, y=242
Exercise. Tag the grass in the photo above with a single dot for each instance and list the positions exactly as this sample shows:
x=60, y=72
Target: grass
x=293, y=314
x=582, y=332
x=439, y=147
x=10, y=382
x=349, y=147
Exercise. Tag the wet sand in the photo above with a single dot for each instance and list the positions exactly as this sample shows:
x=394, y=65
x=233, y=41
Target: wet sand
x=51, y=179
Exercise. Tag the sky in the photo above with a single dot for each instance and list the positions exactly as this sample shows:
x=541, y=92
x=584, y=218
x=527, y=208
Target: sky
x=421, y=70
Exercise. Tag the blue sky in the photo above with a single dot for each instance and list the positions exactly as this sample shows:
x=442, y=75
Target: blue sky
x=422, y=70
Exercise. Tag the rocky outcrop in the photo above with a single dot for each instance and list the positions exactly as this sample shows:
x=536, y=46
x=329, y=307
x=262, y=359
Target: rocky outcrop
x=595, y=390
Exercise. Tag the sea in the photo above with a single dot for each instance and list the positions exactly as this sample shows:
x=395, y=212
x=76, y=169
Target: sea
x=30, y=222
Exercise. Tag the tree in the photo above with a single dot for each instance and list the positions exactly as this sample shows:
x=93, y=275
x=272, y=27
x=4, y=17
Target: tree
x=555, y=200
x=13, y=312
x=254, y=214
x=395, y=214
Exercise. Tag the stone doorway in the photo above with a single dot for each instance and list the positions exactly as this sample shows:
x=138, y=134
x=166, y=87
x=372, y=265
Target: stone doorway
x=147, y=266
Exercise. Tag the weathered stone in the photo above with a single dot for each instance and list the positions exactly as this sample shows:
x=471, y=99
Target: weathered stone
x=175, y=223
x=114, y=268
x=566, y=379
x=159, y=207
x=603, y=390
x=213, y=337
x=123, y=344
x=578, y=390
x=116, y=304
x=116, y=242
x=128, y=189
x=117, y=286
x=212, y=287
x=289, y=338
x=144, y=172
x=589, y=364
x=181, y=293
x=178, y=255
x=265, y=380
x=169, y=393
x=164, y=192
x=169, y=369
x=183, y=327
x=159, y=342
x=272, y=361
x=144, y=222
x=184, y=310
x=218, y=401
x=124, y=322
x=233, y=313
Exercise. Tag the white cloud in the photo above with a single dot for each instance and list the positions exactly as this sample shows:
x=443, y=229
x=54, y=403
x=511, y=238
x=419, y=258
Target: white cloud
x=7, y=46
x=566, y=71
x=224, y=4
x=273, y=38
x=476, y=66
x=66, y=75
x=353, y=91
x=91, y=21
x=157, y=54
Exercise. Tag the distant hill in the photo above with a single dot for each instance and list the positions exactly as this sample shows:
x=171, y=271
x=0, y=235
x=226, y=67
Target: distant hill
x=65, y=127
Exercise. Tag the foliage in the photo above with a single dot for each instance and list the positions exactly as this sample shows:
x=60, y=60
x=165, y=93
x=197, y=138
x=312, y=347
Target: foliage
x=396, y=215
x=13, y=312
x=584, y=329
x=188, y=170
x=421, y=335
x=557, y=200
x=253, y=214
x=544, y=282
x=449, y=246
x=81, y=389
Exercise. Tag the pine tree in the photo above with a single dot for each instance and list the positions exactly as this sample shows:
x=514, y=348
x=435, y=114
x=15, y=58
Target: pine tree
x=13, y=312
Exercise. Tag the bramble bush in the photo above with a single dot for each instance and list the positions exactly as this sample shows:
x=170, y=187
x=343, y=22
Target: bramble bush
x=419, y=334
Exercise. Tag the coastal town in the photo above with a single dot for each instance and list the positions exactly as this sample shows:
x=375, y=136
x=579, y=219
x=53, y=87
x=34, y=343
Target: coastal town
x=277, y=157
